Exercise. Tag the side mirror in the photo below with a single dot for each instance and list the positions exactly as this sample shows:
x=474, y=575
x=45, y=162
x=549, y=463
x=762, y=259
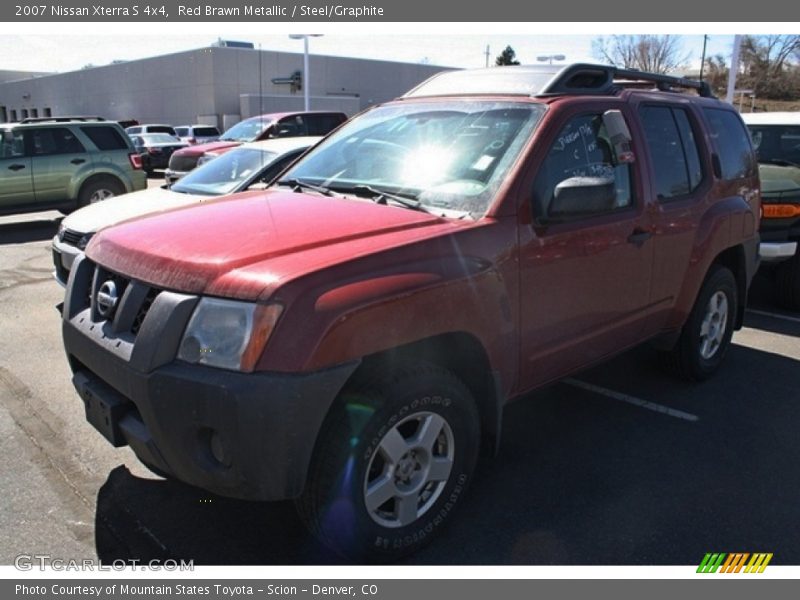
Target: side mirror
x=619, y=135
x=582, y=196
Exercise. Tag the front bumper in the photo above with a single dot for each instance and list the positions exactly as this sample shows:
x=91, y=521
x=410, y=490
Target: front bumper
x=776, y=251
x=173, y=176
x=240, y=435
x=64, y=256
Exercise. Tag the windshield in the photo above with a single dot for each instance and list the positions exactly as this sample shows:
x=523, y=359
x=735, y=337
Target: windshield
x=246, y=131
x=225, y=174
x=777, y=144
x=447, y=156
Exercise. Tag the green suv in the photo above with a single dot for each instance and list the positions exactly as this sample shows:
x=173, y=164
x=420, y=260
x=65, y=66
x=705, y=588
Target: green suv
x=64, y=163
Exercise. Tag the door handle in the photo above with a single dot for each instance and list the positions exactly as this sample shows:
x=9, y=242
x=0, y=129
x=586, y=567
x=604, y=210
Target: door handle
x=78, y=161
x=16, y=167
x=639, y=236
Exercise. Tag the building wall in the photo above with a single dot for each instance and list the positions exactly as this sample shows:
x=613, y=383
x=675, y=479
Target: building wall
x=208, y=83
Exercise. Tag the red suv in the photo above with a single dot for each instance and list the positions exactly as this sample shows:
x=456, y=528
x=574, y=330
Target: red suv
x=263, y=127
x=351, y=336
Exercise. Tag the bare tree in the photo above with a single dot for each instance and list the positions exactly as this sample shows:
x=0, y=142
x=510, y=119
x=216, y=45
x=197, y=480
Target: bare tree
x=766, y=64
x=653, y=53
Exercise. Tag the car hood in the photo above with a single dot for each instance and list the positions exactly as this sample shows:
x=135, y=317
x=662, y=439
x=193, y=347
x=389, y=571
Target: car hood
x=128, y=206
x=778, y=178
x=200, y=149
x=246, y=245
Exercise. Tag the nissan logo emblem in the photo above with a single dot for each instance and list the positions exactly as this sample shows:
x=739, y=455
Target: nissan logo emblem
x=107, y=299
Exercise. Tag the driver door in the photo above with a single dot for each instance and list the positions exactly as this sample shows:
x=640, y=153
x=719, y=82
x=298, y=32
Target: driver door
x=584, y=269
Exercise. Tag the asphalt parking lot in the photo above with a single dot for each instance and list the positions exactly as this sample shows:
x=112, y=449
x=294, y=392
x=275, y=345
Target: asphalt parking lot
x=619, y=465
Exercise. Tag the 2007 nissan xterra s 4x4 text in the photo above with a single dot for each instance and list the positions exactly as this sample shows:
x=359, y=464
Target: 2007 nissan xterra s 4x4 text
x=349, y=337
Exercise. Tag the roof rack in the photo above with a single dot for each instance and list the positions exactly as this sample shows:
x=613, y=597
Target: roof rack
x=583, y=78
x=60, y=119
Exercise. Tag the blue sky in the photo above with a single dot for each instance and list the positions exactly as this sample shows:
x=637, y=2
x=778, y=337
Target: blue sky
x=59, y=52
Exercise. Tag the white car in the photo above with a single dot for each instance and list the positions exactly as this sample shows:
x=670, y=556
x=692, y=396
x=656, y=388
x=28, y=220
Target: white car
x=231, y=172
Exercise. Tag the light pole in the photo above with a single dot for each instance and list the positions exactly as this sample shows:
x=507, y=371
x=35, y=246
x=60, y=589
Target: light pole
x=549, y=58
x=306, y=76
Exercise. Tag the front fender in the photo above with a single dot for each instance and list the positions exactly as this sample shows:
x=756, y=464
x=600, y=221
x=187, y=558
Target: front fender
x=375, y=313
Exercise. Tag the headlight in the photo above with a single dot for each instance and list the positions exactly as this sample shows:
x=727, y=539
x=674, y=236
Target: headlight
x=84, y=241
x=61, y=230
x=228, y=334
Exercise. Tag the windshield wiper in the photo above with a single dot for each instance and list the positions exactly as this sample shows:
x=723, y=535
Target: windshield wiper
x=381, y=196
x=779, y=161
x=297, y=185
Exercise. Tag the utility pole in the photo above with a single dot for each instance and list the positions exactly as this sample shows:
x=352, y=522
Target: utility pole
x=487, y=53
x=737, y=42
x=703, y=59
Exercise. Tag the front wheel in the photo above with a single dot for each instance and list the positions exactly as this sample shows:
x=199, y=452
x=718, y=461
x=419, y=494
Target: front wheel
x=707, y=333
x=393, y=461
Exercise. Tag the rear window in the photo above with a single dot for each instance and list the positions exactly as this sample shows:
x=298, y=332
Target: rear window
x=731, y=142
x=160, y=129
x=105, y=138
x=205, y=131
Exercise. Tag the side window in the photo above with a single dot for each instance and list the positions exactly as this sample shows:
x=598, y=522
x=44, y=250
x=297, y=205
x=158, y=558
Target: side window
x=12, y=145
x=105, y=138
x=291, y=127
x=731, y=142
x=579, y=177
x=322, y=124
x=673, y=151
x=56, y=140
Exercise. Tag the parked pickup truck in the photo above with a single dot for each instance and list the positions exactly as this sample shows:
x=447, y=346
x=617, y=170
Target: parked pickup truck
x=350, y=337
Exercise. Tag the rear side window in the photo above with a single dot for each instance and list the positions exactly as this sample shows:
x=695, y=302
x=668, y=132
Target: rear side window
x=673, y=149
x=55, y=140
x=105, y=138
x=322, y=124
x=731, y=142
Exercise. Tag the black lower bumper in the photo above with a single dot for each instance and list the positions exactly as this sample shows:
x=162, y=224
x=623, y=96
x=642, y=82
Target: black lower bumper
x=246, y=436
x=243, y=436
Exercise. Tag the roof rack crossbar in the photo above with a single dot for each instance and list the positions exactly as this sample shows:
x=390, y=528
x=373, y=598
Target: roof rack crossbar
x=60, y=119
x=599, y=79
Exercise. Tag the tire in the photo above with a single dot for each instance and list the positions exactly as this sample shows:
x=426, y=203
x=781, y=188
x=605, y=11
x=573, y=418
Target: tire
x=787, y=283
x=707, y=333
x=410, y=437
x=100, y=188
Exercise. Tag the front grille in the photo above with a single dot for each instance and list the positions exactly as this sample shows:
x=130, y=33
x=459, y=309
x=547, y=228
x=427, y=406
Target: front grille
x=130, y=310
x=70, y=237
x=182, y=163
x=143, y=310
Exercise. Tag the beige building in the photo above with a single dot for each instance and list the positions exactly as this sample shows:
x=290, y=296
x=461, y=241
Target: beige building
x=214, y=85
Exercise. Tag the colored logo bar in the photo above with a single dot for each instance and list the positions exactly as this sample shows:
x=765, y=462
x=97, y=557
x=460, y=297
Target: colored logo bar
x=734, y=562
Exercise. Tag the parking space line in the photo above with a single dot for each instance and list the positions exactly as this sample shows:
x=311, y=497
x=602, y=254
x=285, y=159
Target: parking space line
x=659, y=408
x=764, y=313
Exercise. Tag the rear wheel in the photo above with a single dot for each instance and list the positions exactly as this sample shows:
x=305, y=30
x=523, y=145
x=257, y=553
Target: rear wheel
x=99, y=189
x=787, y=283
x=391, y=464
x=707, y=333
